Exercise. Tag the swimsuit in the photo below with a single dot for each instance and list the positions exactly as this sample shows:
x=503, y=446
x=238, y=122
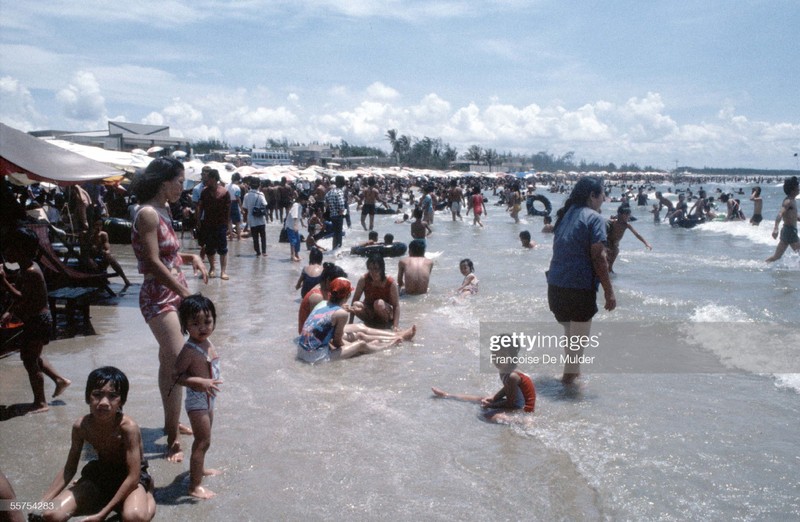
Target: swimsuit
x=155, y=298
x=108, y=478
x=789, y=235
x=525, y=397
x=313, y=345
x=197, y=400
x=309, y=282
x=477, y=204
x=472, y=288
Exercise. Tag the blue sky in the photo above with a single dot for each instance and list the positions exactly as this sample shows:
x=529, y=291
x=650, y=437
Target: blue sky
x=706, y=83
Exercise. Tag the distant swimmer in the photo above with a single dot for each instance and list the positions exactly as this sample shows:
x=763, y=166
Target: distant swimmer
x=518, y=393
x=788, y=213
x=758, y=204
x=525, y=239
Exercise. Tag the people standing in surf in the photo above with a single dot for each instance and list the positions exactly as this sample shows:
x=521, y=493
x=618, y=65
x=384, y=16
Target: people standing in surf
x=514, y=202
x=477, y=205
x=758, y=205
x=214, y=210
x=615, y=229
x=197, y=368
x=456, y=196
x=578, y=266
x=517, y=394
x=787, y=213
x=157, y=250
x=337, y=208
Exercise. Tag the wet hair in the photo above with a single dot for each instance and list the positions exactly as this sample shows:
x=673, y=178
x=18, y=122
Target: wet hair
x=388, y=239
x=585, y=187
x=757, y=191
x=467, y=261
x=373, y=235
x=146, y=184
x=790, y=185
x=417, y=248
x=548, y=220
x=377, y=259
x=331, y=271
x=525, y=235
x=724, y=198
x=417, y=213
x=104, y=375
x=624, y=209
x=315, y=256
x=193, y=305
x=25, y=241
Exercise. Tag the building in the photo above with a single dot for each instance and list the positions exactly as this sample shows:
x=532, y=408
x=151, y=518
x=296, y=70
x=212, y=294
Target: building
x=122, y=136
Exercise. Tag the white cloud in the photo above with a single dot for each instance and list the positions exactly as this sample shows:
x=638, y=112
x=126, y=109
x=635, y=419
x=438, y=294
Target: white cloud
x=380, y=92
x=81, y=100
x=17, y=108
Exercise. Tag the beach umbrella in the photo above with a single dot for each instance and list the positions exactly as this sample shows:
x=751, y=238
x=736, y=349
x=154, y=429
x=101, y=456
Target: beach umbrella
x=21, y=153
x=178, y=154
x=153, y=150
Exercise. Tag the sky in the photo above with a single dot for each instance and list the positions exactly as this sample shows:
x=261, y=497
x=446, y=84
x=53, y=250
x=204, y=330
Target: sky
x=705, y=83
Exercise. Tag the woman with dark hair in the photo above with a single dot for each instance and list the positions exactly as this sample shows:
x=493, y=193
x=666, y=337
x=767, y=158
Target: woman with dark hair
x=157, y=250
x=381, y=305
x=311, y=274
x=577, y=266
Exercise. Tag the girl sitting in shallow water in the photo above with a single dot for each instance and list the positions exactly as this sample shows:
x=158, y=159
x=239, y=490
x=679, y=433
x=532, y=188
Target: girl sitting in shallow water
x=470, y=284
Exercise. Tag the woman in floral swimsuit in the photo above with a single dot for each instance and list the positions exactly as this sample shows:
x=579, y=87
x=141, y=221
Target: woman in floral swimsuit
x=157, y=250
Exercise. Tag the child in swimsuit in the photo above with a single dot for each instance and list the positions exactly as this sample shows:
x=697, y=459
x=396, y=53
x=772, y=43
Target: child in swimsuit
x=117, y=480
x=517, y=394
x=197, y=368
x=470, y=284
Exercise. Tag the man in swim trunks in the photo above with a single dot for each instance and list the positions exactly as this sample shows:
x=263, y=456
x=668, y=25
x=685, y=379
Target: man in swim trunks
x=758, y=204
x=215, y=211
x=371, y=195
x=414, y=271
x=456, y=195
x=788, y=213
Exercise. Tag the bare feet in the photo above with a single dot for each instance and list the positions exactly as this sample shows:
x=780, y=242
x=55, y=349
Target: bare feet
x=224, y=276
x=61, y=385
x=185, y=430
x=210, y=472
x=201, y=492
x=25, y=409
x=409, y=334
x=439, y=393
x=175, y=452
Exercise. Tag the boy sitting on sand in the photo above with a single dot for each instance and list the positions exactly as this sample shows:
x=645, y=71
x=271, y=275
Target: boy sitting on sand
x=117, y=480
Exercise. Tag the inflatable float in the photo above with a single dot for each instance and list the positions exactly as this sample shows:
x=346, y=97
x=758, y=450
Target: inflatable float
x=118, y=230
x=396, y=249
x=533, y=211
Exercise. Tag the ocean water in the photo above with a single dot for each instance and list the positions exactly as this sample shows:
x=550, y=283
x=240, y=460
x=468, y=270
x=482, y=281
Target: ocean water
x=365, y=439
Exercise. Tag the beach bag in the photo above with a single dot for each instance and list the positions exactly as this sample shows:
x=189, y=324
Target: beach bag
x=284, y=236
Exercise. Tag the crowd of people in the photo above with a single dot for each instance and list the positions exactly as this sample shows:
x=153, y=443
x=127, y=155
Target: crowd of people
x=585, y=246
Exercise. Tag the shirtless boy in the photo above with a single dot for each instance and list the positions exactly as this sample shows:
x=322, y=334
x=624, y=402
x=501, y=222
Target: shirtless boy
x=616, y=229
x=456, y=196
x=788, y=213
x=414, y=271
x=117, y=480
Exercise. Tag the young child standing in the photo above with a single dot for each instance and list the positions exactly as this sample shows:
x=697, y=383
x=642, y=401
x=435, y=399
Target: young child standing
x=470, y=284
x=117, y=480
x=787, y=213
x=518, y=391
x=29, y=296
x=197, y=368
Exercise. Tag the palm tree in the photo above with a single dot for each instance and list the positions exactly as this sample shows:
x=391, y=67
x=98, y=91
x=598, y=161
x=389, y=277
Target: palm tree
x=474, y=153
x=491, y=157
x=391, y=135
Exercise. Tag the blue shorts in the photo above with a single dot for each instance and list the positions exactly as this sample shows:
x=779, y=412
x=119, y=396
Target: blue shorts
x=236, y=213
